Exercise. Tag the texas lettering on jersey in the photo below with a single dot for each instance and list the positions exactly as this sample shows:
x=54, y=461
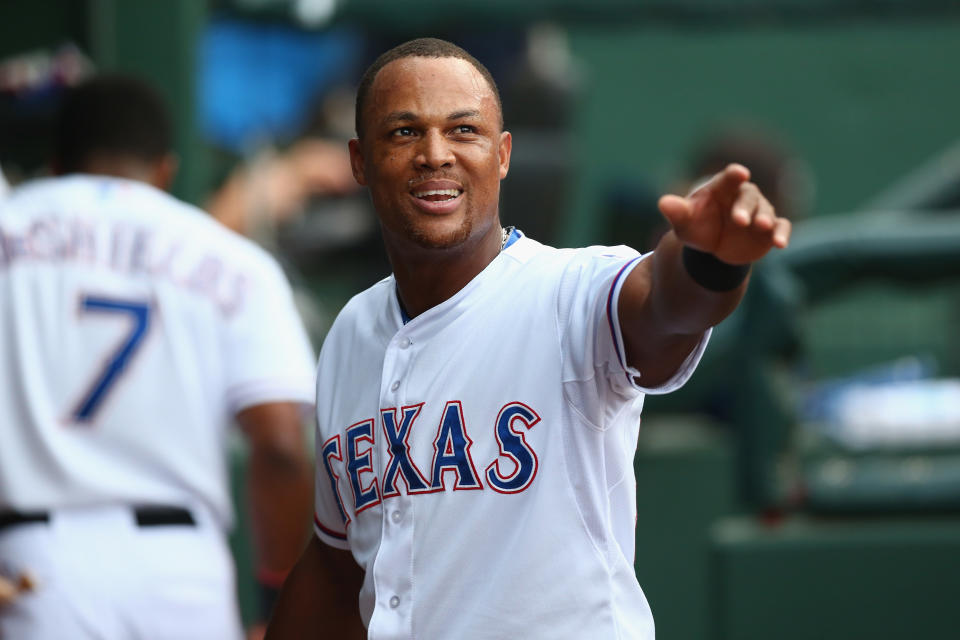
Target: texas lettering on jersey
x=349, y=456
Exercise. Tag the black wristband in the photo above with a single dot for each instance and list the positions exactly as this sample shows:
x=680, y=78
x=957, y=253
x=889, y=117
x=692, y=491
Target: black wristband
x=267, y=596
x=713, y=274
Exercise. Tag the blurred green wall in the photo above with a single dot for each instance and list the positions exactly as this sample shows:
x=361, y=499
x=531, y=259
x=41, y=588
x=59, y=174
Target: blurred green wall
x=158, y=40
x=862, y=100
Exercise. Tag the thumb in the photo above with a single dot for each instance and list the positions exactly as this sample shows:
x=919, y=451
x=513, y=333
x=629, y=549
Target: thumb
x=676, y=210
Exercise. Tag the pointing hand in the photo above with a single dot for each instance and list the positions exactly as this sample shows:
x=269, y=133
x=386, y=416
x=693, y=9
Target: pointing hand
x=727, y=217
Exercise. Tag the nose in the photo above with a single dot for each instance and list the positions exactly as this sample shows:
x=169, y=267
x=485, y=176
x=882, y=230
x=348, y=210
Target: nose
x=435, y=151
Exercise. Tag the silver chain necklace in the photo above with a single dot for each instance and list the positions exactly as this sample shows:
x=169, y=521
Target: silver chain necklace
x=504, y=236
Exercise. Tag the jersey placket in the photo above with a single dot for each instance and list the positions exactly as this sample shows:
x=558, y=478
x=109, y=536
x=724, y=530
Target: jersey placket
x=393, y=567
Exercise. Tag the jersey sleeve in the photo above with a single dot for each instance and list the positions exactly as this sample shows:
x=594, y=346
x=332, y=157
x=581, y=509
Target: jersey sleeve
x=595, y=371
x=268, y=354
x=330, y=518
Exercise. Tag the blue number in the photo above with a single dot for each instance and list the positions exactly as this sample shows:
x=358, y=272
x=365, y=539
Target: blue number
x=140, y=313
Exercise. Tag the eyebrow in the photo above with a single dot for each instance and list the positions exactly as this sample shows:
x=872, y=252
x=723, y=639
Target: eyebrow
x=409, y=116
x=466, y=113
x=400, y=116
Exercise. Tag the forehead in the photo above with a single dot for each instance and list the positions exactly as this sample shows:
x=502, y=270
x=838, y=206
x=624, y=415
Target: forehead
x=429, y=87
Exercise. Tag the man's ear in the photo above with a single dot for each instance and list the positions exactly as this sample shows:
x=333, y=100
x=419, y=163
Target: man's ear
x=356, y=162
x=164, y=171
x=506, y=146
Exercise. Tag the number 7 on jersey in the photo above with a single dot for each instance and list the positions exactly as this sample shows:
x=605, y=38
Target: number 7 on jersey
x=118, y=361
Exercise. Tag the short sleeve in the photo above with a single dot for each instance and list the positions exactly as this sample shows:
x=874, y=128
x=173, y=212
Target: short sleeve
x=329, y=517
x=596, y=376
x=268, y=354
x=586, y=310
x=683, y=372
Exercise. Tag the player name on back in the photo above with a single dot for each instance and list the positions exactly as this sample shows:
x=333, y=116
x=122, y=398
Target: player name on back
x=126, y=247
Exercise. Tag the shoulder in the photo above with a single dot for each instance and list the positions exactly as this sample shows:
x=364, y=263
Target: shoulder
x=196, y=226
x=362, y=323
x=370, y=302
x=189, y=224
x=541, y=259
x=602, y=254
x=28, y=195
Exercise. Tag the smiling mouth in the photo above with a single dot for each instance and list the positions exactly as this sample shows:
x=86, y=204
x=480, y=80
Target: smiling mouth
x=437, y=195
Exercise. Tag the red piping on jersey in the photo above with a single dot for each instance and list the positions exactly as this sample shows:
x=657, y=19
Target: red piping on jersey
x=613, y=332
x=329, y=532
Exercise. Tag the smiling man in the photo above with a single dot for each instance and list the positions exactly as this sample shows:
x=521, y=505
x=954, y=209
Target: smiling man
x=478, y=409
x=432, y=151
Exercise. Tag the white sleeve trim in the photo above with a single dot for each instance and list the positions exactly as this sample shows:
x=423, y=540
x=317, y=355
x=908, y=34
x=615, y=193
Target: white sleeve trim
x=613, y=315
x=298, y=390
x=683, y=373
x=329, y=536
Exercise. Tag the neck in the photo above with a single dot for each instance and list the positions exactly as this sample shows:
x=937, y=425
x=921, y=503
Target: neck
x=156, y=173
x=431, y=277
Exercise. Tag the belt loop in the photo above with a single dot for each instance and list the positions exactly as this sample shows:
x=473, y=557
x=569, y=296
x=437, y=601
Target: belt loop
x=13, y=518
x=161, y=515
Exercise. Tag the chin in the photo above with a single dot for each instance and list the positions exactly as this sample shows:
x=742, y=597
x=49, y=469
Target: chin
x=439, y=236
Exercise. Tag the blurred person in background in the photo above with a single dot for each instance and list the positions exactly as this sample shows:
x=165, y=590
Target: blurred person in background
x=134, y=331
x=285, y=77
x=275, y=187
x=781, y=174
x=295, y=201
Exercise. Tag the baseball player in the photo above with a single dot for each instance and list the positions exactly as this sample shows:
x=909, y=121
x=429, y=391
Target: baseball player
x=134, y=329
x=478, y=409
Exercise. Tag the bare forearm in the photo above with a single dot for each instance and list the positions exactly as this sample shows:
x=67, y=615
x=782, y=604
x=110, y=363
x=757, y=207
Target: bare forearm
x=663, y=312
x=280, y=488
x=681, y=305
x=320, y=596
x=229, y=205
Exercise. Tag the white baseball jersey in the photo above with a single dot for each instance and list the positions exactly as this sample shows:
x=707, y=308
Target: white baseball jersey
x=132, y=328
x=477, y=460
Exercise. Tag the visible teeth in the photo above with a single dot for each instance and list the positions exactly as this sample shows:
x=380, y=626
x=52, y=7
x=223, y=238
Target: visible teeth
x=453, y=193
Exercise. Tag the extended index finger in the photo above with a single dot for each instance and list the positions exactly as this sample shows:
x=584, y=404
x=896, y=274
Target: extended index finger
x=725, y=185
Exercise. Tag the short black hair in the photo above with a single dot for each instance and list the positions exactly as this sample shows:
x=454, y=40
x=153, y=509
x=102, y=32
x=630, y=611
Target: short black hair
x=419, y=48
x=111, y=114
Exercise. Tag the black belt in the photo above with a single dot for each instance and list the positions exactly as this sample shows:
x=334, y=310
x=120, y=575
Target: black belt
x=147, y=516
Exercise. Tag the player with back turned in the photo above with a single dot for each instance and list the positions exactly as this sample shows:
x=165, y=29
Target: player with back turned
x=478, y=409
x=134, y=330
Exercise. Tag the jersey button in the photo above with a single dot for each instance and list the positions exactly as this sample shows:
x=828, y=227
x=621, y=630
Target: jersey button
x=395, y=516
x=395, y=386
x=394, y=602
x=405, y=343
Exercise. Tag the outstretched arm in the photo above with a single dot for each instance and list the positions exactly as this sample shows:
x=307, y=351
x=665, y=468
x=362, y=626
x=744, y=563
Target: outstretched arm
x=670, y=299
x=320, y=597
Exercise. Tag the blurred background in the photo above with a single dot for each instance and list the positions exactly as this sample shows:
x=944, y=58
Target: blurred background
x=806, y=483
